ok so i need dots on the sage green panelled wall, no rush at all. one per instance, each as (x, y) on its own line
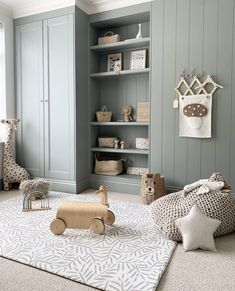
(200, 35)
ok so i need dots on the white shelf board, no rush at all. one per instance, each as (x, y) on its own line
(126, 44)
(124, 151)
(117, 123)
(122, 73)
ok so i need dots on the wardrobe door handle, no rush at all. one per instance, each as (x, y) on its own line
(41, 100)
(46, 100)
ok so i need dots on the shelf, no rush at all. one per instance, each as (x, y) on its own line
(122, 73)
(126, 44)
(118, 177)
(124, 151)
(117, 123)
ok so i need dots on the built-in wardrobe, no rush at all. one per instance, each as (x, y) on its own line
(52, 102)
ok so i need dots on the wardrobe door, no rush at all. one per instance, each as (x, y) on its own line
(59, 98)
(29, 76)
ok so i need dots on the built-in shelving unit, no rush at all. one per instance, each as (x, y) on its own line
(129, 87)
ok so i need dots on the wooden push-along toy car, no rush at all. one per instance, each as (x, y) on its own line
(83, 215)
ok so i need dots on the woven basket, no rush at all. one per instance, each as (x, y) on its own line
(104, 115)
(108, 167)
(109, 37)
(106, 142)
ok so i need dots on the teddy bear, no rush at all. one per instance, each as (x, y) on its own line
(152, 188)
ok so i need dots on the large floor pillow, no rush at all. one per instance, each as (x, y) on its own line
(214, 204)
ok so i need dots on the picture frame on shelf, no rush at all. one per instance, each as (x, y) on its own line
(138, 59)
(114, 62)
(143, 112)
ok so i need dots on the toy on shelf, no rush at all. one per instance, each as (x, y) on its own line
(127, 112)
(12, 172)
(122, 143)
(116, 143)
(84, 215)
(33, 190)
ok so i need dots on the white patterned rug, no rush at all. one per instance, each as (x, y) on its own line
(131, 256)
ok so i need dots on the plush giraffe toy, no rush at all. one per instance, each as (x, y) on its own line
(12, 172)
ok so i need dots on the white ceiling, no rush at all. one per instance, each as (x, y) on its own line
(22, 8)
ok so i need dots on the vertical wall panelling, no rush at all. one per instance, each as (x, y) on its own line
(187, 35)
(232, 131)
(157, 51)
(210, 53)
(195, 56)
(168, 89)
(224, 71)
(182, 48)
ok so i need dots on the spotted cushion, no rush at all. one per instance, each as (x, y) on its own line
(215, 204)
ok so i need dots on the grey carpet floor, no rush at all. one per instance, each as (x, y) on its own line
(191, 271)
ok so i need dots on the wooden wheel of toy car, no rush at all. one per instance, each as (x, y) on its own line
(57, 226)
(97, 225)
(110, 219)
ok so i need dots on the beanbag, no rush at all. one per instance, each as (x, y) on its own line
(215, 204)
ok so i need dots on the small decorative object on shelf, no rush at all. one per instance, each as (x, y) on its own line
(122, 143)
(142, 143)
(107, 142)
(104, 115)
(143, 112)
(116, 144)
(117, 67)
(109, 37)
(126, 112)
(137, 171)
(138, 59)
(114, 62)
(139, 35)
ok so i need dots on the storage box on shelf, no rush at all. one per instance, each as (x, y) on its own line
(116, 89)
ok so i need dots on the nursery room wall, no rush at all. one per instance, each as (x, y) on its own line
(191, 35)
(7, 65)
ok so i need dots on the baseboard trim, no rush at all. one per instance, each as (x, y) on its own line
(116, 186)
(82, 185)
(63, 186)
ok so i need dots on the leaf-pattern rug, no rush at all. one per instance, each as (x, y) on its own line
(131, 256)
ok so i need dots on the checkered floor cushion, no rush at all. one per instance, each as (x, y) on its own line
(214, 204)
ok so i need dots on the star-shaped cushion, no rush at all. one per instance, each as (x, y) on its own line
(197, 230)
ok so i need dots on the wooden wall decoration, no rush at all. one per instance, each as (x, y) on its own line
(195, 111)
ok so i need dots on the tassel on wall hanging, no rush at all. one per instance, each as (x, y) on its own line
(195, 107)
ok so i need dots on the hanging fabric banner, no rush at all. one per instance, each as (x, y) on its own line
(195, 116)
